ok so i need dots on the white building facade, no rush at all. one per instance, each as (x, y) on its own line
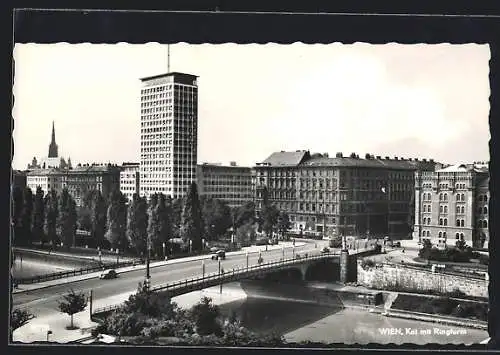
(169, 134)
(129, 179)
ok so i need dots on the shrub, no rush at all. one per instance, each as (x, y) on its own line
(367, 264)
(205, 316)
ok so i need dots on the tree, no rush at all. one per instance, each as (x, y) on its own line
(216, 217)
(117, 221)
(17, 209)
(268, 217)
(38, 216)
(153, 227)
(192, 222)
(245, 234)
(98, 215)
(205, 315)
(84, 219)
(176, 220)
(51, 213)
(244, 214)
(72, 303)
(137, 223)
(460, 244)
(18, 318)
(284, 224)
(269, 214)
(67, 218)
(163, 211)
(26, 217)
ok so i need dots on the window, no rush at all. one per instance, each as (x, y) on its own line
(463, 209)
(441, 209)
(462, 223)
(440, 221)
(485, 210)
(485, 198)
(445, 221)
(445, 209)
(457, 236)
(440, 234)
(485, 224)
(458, 223)
(440, 197)
(458, 209)
(446, 197)
(428, 234)
(444, 234)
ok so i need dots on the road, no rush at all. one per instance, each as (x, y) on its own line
(42, 302)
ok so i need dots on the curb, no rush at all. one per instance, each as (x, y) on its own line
(430, 318)
(142, 267)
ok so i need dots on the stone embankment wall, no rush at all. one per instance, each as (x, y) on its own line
(405, 278)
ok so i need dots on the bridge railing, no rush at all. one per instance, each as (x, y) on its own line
(227, 275)
(237, 272)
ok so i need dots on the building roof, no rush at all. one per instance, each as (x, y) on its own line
(479, 168)
(286, 158)
(366, 163)
(167, 74)
(44, 172)
(304, 158)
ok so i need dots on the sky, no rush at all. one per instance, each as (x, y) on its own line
(411, 101)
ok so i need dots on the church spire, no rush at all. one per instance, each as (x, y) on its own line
(53, 145)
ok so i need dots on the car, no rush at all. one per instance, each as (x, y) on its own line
(325, 250)
(214, 249)
(397, 244)
(219, 255)
(108, 274)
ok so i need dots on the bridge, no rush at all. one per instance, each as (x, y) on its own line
(346, 261)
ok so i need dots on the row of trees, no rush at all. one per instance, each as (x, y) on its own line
(43, 218)
(113, 222)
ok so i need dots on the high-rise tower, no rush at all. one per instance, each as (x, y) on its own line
(169, 136)
(53, 146)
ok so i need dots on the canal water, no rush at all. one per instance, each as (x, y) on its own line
(300, 321)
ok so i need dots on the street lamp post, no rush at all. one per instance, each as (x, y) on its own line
(203, 267)
(190, 246)
(99, 253)
(147, 282)
(247, 259)
(117, 256)
(164, 246)
(293, 250)
(283, 252)
(203, 244)
(220, 280)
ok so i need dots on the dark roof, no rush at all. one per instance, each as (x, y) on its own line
(167, 74)
(286, 158)
(367, 163)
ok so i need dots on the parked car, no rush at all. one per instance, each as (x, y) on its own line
(397, 244)
(220, 254)
(214, 249)
(108, 274)
(325, 250)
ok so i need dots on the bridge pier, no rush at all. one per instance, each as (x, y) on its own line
(348, 267)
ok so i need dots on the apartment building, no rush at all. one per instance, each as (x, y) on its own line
(341, 195)
(452, 204)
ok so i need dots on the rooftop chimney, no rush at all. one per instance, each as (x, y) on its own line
(387, 158)
(232, 163)
(395, 158)
(379, 157)
(425, 160)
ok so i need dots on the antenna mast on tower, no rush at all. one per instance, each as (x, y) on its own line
(168, 58)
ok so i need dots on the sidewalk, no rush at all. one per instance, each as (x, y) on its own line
(251, 250)
(37, 328)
